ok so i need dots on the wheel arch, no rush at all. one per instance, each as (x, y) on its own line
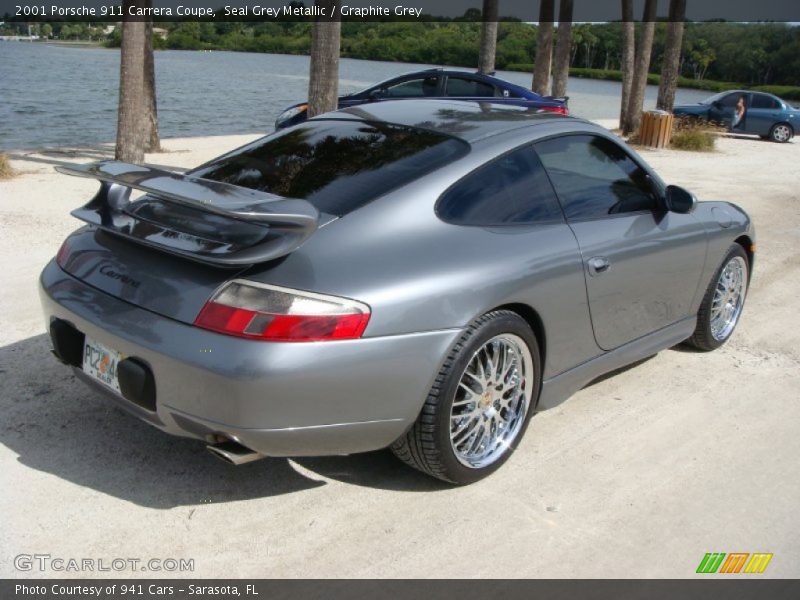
(535, 322)
(746, 242)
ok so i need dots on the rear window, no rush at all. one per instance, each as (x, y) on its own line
(338, 166)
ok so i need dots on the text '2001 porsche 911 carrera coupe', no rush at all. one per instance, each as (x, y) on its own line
(422, 275)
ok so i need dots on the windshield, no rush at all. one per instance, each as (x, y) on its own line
(337, 165)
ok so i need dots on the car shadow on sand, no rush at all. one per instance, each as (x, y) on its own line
(57, 425)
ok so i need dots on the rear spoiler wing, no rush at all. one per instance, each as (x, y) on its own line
(287, 222)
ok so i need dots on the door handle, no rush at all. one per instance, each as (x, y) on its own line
(598, 265)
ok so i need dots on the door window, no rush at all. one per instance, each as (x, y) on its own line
(467, 87)
(511, 190)
(594, 177)
(762, 101)
(730, 100)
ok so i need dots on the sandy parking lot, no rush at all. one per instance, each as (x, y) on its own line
(638, 475)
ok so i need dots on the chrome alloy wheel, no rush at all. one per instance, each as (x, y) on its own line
(728, 298)
(781, 133)
(491, 401)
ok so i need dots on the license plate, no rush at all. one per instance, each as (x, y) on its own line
(100, 362)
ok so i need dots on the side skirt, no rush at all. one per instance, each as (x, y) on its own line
(559, 388)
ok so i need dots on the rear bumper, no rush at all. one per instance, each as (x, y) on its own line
(279, 399)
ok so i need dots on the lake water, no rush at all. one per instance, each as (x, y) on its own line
(56, 96)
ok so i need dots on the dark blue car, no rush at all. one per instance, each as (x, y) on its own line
(765, 115)
(438, 83)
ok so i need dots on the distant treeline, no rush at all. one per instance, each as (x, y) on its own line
(751, 54)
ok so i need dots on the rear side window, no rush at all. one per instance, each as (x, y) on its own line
(414, 88)
(511, 190)
(760, 101)
(462, 86)
(338, 166)
(594, 177)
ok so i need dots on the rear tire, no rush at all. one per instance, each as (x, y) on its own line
(480, 404)
(723, 302)
(781, 133)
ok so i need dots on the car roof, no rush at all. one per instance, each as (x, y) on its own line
(491, 77)
(468, 120)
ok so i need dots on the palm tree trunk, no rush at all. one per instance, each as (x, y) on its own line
(488, 37)
(544, 48)
(670, 69)
(130, 129)
(323, 83)
(639, 83)
(152, 138)
(628, 56)
(563, 48)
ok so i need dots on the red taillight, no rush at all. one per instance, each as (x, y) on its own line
(264, 312)
(561, 110)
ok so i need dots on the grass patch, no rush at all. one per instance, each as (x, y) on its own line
(694, 135)
(6, 172)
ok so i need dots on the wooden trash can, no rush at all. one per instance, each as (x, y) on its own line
(656, 128)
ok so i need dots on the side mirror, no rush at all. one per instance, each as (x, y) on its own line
(377, 94)
(679, 200)
(716, 104)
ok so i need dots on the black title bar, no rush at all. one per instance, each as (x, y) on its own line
(380, 10)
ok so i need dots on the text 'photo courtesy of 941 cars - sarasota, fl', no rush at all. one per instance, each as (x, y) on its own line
(422, 275)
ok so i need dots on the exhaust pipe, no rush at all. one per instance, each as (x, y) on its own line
(233, 453)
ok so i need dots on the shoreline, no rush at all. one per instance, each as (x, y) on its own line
(711, 86)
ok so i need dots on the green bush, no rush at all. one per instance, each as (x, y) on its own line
(6, 172)
(525, 67)
(694, 135)
(787, 92)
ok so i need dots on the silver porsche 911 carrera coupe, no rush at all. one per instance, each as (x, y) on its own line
(423, 275)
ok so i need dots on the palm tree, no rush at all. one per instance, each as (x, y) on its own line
(672, 55)
(628, 56)
(152, 139)
(544, 48)
(323, 83)
(130, 133)
(639, 83)
(563, 48)
(488, 37)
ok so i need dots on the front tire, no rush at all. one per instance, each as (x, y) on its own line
(723, 302)
(480, 404)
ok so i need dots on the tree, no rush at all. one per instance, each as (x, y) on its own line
(628, 57)
(488, 37)
(642, 65)
(563, 48)
(670, 68)
(152, 140)
(323, 82)
(544, 48)
(130, 133)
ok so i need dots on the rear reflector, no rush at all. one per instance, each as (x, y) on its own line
(561, 110)
(270, 313)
